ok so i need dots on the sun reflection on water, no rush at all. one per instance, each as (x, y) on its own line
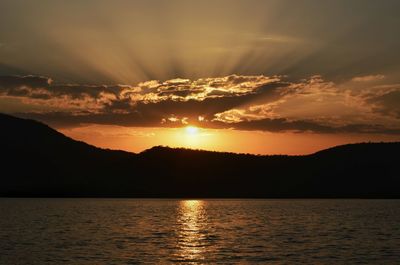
(192, 221)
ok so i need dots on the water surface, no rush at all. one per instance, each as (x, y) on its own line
(136, 231)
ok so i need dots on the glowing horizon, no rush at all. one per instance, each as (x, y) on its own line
(256, 142)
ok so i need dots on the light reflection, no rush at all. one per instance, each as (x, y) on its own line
(192, 234)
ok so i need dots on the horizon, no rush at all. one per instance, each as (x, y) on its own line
(309, 143)
(270, 77)
(190, 130)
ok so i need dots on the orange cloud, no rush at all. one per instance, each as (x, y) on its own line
(234, 101)
(368, 78)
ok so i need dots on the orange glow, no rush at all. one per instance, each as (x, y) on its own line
(226, 140)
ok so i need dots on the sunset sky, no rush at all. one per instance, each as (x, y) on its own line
(264, 77)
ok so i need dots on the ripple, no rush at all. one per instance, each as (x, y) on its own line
(90, 231)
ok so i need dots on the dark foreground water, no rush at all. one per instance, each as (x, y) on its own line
(132, 231)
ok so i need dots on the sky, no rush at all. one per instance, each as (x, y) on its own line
(263, 77)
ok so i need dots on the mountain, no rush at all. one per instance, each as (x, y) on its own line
(38, 161)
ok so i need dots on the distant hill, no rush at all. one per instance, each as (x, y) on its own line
(38, 161)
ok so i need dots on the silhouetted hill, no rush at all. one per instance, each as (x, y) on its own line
(39, 161)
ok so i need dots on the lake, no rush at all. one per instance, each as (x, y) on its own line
(148, 231)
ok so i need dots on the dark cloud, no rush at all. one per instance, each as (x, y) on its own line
(79, 91)
(179, 93)
(6, 69)
(284, 125)
(11, 82)
(40, 87)
(138, 119)
(388, 103)
(65, 119)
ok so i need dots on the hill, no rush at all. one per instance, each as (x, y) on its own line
(38, 161)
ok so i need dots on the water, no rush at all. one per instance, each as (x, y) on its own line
(132, 231)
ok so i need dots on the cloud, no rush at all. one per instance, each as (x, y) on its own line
(387, 103)
(299, 126)
(368, 78)
(29, 81)
(321, 106)
(238, 102)
(204, 96)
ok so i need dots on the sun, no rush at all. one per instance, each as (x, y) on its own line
(191, 130)
(192, 136)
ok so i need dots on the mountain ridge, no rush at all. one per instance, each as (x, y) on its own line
(46, 163)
